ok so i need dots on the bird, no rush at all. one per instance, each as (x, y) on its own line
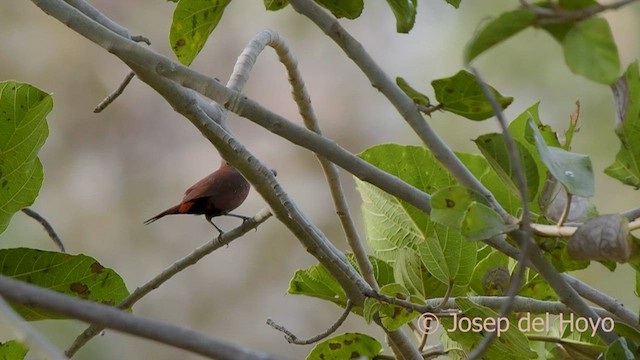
(217, 194)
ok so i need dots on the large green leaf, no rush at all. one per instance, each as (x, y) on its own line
(76, 275)
(591, 51)
(626, 91)
(462, 94)
(481, 222)
(346, 346)
(391, 223)
(316, 281)
(449, 205)
(512, 341)
(405, 13)
(480, 168)
(447, 255)
(574, 171)
(13, 350)
(410, 272)
(350, 9)
(498, 30)
(495, 150)
(193, 22)
(23, 130)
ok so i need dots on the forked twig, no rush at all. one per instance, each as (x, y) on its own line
(293, 339)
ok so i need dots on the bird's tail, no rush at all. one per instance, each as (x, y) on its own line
(169, 211)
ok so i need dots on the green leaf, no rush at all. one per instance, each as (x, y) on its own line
(193, 22)
(449, 205)
(495, 150)
(621, 350)
(417, 97)
(394, 317)
(346, 346)
(411, 273)
(483, 268)
(454, 3)
(481, 223)
(274, 5)
(405, 13)
(23, 131)
(590, 51)
(512, 341)
(316, 281)
(448, 256)
(391, 223)
(498, 30)
(75, 275)
(626, 91)
(574, 171)
(462, 94)
(13, 350)
(480, 168)
(350, 9)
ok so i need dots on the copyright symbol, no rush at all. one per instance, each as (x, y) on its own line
(428, 323)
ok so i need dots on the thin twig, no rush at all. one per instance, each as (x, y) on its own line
(110, 317)
(114, 95)
(27, 334)
(525, 228)
(172, 270)
(632, 214)
(293, 339)
(565, 210)
(47, 227)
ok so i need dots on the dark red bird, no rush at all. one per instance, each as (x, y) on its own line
(216, 195)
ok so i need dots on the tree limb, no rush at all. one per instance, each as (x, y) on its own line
(112, 318)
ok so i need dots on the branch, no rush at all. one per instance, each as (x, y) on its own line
(401, 101)
(518, 303)
(109, 317)
(27, 334)
(293, 339)
(525, 222)
(186, 102)
(238, 78)
(172, 270)
(47, 227)
(114, 95)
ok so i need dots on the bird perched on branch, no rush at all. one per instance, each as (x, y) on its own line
(216, 195)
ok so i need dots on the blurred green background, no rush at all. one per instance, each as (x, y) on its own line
(105, 174)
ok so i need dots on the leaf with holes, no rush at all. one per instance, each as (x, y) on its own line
(23, 131)
(346, 346)
(76, 275)
(462, 94)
